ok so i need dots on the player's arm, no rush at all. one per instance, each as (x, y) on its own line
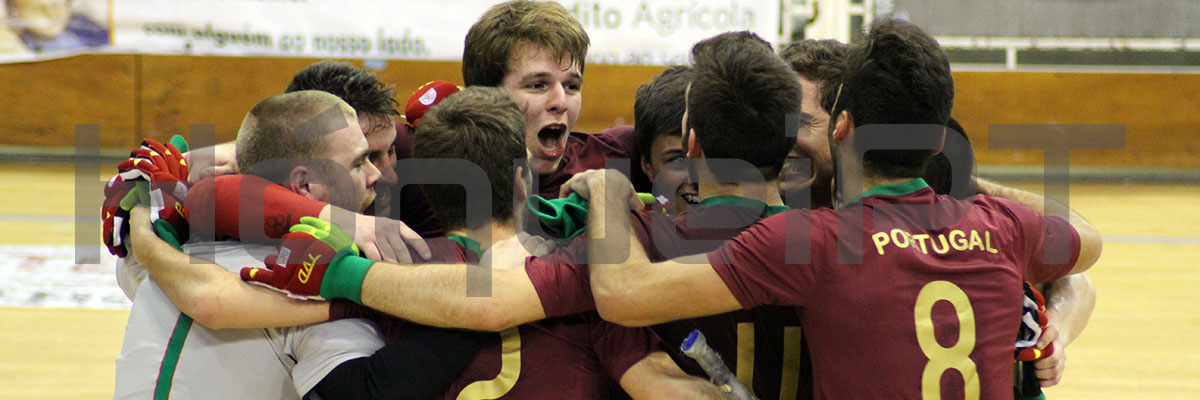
(215, 160)
(211, 295)
(217, 205)
(453, 295)
(1090, 243)
(658, 377)
(1069, 304)
(630, 290)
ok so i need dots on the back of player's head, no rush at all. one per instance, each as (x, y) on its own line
(937, 172)
(490, 43)
(359, 88)
(739, 102)
(897, 74)
(292, 126)
(481, 125)
(658, 108)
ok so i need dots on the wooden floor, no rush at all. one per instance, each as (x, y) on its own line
(1143, 341)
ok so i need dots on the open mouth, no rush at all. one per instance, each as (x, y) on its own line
(551, 140)
(688, 193)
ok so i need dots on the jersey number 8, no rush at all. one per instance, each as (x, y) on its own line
(943, 358)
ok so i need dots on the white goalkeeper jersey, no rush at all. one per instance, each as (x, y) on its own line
(164, 355)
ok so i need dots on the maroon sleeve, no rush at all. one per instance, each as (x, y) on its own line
(619, 347)
(219, 204)
(1042, 234)
(753, 266)
(564, 289)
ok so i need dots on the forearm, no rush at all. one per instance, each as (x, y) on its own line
(213, 296)
(684, 387)
(437, 295)
(1069, 304)
(658, 377)
(614, 255)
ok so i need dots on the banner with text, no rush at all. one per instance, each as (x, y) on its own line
(621, 31)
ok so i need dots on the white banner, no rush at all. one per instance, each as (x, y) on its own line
(621, 31)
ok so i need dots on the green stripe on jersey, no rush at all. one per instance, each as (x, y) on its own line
(166, 371)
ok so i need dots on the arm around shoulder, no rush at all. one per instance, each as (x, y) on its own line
(1090, 242)
(211, 295)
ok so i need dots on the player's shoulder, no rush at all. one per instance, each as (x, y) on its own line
(1015, 211)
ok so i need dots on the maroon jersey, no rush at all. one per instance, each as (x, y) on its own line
(572, 357)
(763, 346)
(890, 305)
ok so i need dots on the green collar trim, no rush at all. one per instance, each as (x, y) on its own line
(895, 189)
(468, 243)
(772, 210)
(732, 200)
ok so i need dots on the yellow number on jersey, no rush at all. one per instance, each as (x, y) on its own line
(943, 358)
(788, 386)
(510, 370)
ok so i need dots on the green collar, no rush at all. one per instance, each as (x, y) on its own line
(895, 189)
(753, 204)
(468, 243)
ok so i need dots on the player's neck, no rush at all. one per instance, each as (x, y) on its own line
(868, 182)
(767, 192)
(487, 235)
(871, 181)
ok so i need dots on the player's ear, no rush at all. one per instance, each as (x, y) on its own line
(520, 186)
(693, 147)
(300, 180)
(941, 142)
(843, 127)
(646, 167)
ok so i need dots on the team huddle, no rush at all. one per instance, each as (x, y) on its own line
(800, 211)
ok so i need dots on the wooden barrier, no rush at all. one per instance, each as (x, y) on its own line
(134, 96)
(43, 101)
(1160, 112)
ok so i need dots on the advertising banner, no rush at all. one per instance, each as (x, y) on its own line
(651, 32)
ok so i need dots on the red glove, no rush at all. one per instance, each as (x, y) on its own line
(319, 262)
(115, 213)
(166, 171)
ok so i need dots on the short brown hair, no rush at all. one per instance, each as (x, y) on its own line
(481, 125)
(287, 129)
(490, 43)
(820, 61)
(741, 97)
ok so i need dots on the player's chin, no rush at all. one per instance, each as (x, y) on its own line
(545, 165)
(367, 204)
